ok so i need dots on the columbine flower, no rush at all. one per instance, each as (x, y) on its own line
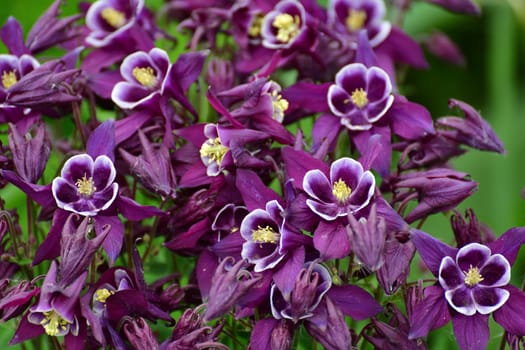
(473, 283)
(12, 68)
(360, 95)
(145, 74)
(109, 19)
(86, 185)
(213, 151)
(352, 16)
(264, 233)
(349, 189)
(283, 26)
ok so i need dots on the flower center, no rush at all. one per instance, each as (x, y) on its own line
(214, 150)
(355, 20)
(265, 235)
(145, 76)
(287, 27)
(85, 186)
(8, 79)
(115, 18)
(473, 277)
(255, 27)
(359, 98)
(53, 323)
(102, 294)
(341, 191)
(279, 105)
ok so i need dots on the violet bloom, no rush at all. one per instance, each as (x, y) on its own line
(360, 96)
(348, 190)
(264, 232)
(473, 283)
(86, 185)
(144, 74)
(110, 19)
(214, 154)
(284, 26)
(352, 16)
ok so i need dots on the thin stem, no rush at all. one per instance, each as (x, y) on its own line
(153, 232)
(78, 122)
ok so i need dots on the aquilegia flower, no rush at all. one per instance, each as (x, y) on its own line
(86, 185)
(349, 189)
(360, 95)
(473, 283)
(284, 26)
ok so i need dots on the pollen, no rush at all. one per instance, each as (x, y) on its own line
(287, 27)
(145, 76)
(9, 79)
(341, 191)
(280, 105)
(355, 20)
(53, 323)
(265, 235)
(214, 150)
(101, 295)
(473, 277)
(85, 186)
(255, 26)
(115, 18)
(359, 98)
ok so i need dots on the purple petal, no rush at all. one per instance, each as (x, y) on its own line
(328, 211)
(104, 172)
(472, 255)
(254, 192)
(297, 163)
(432, 251)
(187, 69)
(352, 77)
(461, 300)
(283, 276)
(361, 196)
(379, 85)
(509, 243)
(410, 120)
(115, 238)
(316, 185)
(450, 277)
(472, 332)
(13, 37)
(339, 101)
(26, 330)
(331, 240)
(102, 142)
(135, 60)
(431, 313)
(102, 200)
(261, 337)
(255, 218)
(495, 272)
(64, 192)
(354, 301)
(76, 167)
(348, 170)
(134, 211)
(489, 299)
(128, 96)
(511, 316)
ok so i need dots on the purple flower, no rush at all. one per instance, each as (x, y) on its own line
(473, 283)
(213, 151)
(352, 16)
(360, 96)
(284, 26)
(264, 232)
(13, 68)
(109, 19)
(349, 189)
(86, 186)
(145, 74)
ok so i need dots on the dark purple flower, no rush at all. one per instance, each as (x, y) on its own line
(86, 185)
(348, 190)
(360, 96)
(144, 74)
(213, 151)
(284, 26)
(109, 19)
(352, 16)
(13, 68)
(473, 283)
(264, 232)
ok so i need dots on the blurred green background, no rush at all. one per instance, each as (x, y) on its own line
(493, 81)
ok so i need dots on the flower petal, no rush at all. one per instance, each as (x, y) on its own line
(328, 211)
(339, 101)
(472, 255)
(461, 300)
(472, 332)
(450, 277)
(316, 184)
(348, 170)
(352, 77)
(379, 85)
(104, 172)
(489, 299)
(64, 192)
(77, 167)
(511, 316)
(496, 271)
(362, 195)
(432, 251)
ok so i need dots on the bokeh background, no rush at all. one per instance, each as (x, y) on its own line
(492, 80)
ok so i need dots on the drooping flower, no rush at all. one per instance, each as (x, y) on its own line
(360, 96)
(348, 190)
(473, 283)
(86, 185)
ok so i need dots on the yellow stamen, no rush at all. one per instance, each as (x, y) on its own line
(255, 27)
(9, 79)
(473, 277)
(214, 150)
(355, 20)
(287, 27)
(115, 18)
(53, 323)
(341, 191)
(145, 76)
(280, 105)
(102, 294)
(359, 98)
(85, 186)
(265, 235)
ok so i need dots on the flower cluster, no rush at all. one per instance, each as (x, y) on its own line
(185, 188)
